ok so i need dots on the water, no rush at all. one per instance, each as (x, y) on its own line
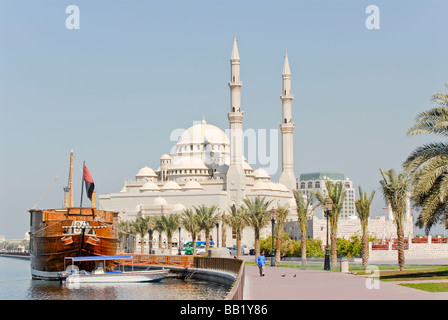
(16, 284)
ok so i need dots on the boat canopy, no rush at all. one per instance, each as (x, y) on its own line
(94, 258)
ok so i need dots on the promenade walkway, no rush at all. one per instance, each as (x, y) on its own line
(281, 283)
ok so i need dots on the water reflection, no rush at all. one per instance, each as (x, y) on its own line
(16, 283)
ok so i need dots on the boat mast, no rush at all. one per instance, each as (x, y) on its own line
(70, 182)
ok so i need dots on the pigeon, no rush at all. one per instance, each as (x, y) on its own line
(283, 275)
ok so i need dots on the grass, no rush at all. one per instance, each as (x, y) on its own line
(430, 287)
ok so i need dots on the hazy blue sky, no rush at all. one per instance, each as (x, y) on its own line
(115, 89)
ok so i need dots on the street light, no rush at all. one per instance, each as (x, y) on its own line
(150, 241)
(178, 244)
(217, 234)
(328, 205)
(273, 214)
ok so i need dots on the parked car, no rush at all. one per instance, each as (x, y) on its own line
(252, 251)
(244, 250)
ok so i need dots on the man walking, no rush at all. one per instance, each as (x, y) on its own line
(261, 262)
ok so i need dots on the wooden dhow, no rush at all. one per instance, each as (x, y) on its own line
(70, 232)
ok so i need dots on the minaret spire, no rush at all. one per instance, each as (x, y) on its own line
(236, 177)
(287, 128)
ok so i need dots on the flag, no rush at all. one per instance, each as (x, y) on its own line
(90, 186)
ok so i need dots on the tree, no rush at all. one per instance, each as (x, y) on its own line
(170, 224)
(158, 226)
(191, 223)
(282, 213)
(363, 209)
(141, 227)
(207, 221)
(257, 217)
(427, 165)
(395, 188)
(237, 222)
(336, 192)
(302, 217)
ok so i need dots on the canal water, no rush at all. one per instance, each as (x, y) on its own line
(16, 284)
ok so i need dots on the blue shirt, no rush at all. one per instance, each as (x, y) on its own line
(261, 260)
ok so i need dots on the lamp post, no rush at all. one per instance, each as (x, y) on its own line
(217, 234)
(328, 205)
(178, 243)
(150, 241)
(273, 214)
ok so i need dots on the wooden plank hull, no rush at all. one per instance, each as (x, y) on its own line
(70, 232)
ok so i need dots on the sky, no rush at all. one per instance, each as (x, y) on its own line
(116, 88)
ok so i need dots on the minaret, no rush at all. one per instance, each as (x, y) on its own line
(287, 128)
(236, 178)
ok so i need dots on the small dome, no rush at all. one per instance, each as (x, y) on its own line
(165, 157)
(159, 201)
(171, 186)
(193, 185)
(261, 185)
(145, 172)
(149, 186)
(178, 207)
(261, 174)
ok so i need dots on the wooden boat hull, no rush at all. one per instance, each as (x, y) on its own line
(70, 232)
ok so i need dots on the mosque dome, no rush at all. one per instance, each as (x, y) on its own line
(193, 185)
(262, 185)
(261, 174)
(203, 133)
(171, 186)
(146, 172)
(159, 201)
(178, 207)
(165, 157)
(149, 186)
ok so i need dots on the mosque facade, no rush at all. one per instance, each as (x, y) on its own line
(208, 167)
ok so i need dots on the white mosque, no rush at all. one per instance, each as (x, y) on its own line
(208, 167)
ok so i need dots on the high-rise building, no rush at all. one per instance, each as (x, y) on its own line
(316, 181)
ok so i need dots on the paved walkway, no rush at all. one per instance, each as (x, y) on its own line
(281, 283)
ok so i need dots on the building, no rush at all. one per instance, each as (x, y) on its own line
(208, 167)
(316, 181)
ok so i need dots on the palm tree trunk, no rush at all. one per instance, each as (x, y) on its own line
(278, 244)
(303, 242)
(257, 243)
(365, 250)
(400, 250)
(238, 245)
(333, 248)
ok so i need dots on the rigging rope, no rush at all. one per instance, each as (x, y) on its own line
(51, 186)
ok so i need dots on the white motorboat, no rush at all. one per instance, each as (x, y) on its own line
(73, 275)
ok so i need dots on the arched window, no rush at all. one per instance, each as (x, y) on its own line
(302, 185)
(317, 185)
(310, 185)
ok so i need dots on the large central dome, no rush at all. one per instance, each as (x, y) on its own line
(204, 134)
(201, 147)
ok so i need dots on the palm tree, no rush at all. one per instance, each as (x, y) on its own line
(237, 222)
(363, 208)
(170, 224)
(141, 227)
(207, 221)
(159, 227)
(191, 223)
(302, 216)
(336, 192)
(124, 230)
(427, 165)
(395, 188)
(282, 213)
(257, 217)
